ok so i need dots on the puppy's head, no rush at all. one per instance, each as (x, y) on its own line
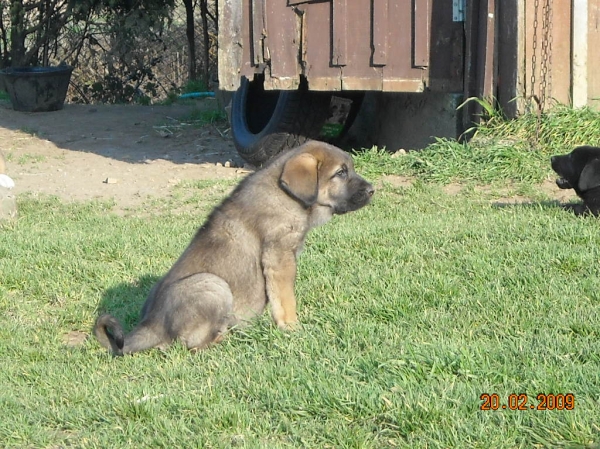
(318, 174)
(579, 169)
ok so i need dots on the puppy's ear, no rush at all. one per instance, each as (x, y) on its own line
(590, 176)
(300, 178)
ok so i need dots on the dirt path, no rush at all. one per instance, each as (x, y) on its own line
(128, 153)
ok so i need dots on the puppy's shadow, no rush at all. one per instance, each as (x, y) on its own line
(575, 208)
(124, 301)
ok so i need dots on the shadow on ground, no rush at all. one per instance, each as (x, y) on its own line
(125, 300)
(129, 133)
(575, 208)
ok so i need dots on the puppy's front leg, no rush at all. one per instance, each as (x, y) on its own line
(279, 269)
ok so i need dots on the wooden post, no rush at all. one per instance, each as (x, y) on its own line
(580, 53)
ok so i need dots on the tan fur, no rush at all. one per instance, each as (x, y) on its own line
(244, 256)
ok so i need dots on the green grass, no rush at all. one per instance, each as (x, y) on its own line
(517, 150)
(194, 86)
(29, 130)
(411, 308)
(448, 161)
(30, 158)
(205, 112)
(203, 117)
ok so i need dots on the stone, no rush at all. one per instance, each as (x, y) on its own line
(8, 204)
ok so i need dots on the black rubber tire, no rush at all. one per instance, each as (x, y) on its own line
(264, 123)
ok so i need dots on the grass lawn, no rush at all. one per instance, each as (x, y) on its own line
(412, 309)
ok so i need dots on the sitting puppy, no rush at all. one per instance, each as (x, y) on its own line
(580, 170)
(244, 255)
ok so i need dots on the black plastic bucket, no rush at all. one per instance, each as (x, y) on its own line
(37, 89)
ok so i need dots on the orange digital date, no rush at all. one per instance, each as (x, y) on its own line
(491, 401)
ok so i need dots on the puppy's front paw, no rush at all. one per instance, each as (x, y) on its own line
(290, 326)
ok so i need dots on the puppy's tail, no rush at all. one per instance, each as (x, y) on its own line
(109, 333)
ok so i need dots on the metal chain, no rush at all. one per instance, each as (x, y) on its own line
(545, 64)
(534, 46)
(545, 84)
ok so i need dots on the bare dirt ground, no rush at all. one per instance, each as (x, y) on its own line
(131, 153)
(125, 153)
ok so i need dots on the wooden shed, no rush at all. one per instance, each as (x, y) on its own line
(520, 53)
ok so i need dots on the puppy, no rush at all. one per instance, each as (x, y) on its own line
(245, 254)
(580, 170)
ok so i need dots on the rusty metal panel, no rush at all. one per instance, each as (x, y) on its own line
(446, 59)
(317, 48)
(421, 33)
(258, 31)
(400, 74)
(247, 66)
(356, 69)
(230, 51)
(380, 32)
(400, 45)
(506, 48)
(339, 40)
(283, 42)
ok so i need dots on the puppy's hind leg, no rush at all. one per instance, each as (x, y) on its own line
(144, 336)
(202, 310)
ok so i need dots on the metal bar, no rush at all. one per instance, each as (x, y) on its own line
(339, 30)
(258, 30)
(471, 111)
(421, 32)
(380, 32)
(487, 48)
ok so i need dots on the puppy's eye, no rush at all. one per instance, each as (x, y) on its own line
(342, 172)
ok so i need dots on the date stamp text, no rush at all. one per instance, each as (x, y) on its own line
(493, 401)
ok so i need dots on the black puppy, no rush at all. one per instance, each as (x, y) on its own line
(580, 170)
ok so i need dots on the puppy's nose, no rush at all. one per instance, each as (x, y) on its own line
(370, 190)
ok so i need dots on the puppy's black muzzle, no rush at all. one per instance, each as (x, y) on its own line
(556, 163)
(362, 192)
